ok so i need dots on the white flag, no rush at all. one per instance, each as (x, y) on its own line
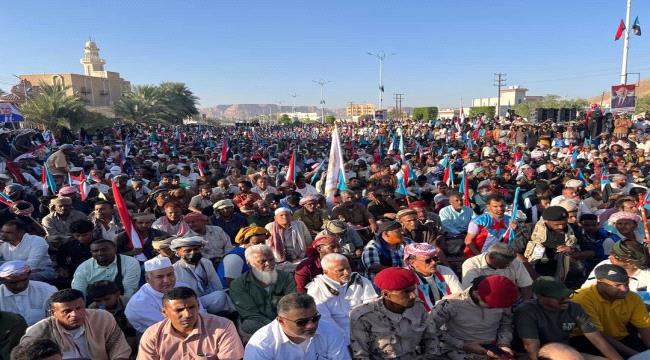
(335, 170)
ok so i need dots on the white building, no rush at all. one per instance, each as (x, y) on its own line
(510, 96)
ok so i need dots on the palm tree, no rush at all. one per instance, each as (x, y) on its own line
(179, 101)
(52, 106)
(143, 104)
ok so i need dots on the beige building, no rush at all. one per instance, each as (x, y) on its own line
(356, 110)
(510, 96)
(100, 88)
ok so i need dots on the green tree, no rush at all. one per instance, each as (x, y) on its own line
(475, 111)
(143, 104)
(549, 101)
(285, 119)
(330, 119)
(179, 102)
(425, 113)
(52, 107)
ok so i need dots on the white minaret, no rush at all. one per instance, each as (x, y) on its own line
(91, 61)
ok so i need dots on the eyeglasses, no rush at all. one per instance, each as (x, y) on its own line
(430, 260)
(304, 322)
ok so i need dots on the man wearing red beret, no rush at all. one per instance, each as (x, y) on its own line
(396, 325)
(478, 320)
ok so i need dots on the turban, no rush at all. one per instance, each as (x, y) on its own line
(623, 251)
(246, 233)
(187, 241)
(498, 292)
(13, 268)
(420, 204)
(223, 204)
(336, 227)
(623, 215)
(157, 263)
(307, 199)
(419, 249)
(405, 212)
(282, 210)
(61, 201)
(570, 205)
(194, 216)
(393, 278)
(162, 243)
(320, 239)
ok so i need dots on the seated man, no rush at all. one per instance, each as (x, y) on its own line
(57, 222)
(234, 263)
(455, 217)
(257, 292)
(81, 333)
(500, 259)
(106, 264)
(351, 242)
(435, 281)
(199, 274)
(144, 308)
(22, 296)
(217, 242)
(614, 310)
(76, 250)
(629, 255)
(551, 318)
(17, 244)
(338, 290)
(307, 270)
(310, 215)
(289, 239)
(40, 349)
(478, 320)
(172, 222)
(394, 326)
(105, 295)
(186, 333)
(297, 333)
(385, 250)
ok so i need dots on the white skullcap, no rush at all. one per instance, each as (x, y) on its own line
(157, 263)
(14, 267)
(282, 210)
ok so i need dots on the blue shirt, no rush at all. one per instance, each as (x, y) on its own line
(455, 222)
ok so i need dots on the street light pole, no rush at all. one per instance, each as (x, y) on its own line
(322, 83)
(381, 56)
(626, 42)
(293, 106)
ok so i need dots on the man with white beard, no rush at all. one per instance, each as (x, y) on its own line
(257, 292)
(338, 290)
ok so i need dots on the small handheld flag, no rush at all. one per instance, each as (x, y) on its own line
(291, 172)
(135, 240)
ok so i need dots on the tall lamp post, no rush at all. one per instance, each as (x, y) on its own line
(322, 83)
(381, 56)
(293, 105)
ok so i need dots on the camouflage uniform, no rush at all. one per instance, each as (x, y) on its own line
(378, 333)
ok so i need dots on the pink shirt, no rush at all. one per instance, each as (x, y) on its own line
(213, 338)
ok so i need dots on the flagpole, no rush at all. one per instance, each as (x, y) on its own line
(626, 42)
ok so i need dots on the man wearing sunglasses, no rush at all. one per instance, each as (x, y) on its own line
(297, 333)
(395, 326)
(434, 281)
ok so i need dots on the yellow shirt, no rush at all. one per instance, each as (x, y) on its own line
(612, 318)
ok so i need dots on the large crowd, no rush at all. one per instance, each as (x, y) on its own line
(447, 239)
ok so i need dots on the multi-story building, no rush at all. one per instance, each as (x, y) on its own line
(510, 96)
(356, 110)
(98, 87)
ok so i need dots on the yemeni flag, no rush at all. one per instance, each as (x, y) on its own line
(636, 28)
(620, 30)
(509, 235)
(224, 150)
(135, 239)
(291, 172)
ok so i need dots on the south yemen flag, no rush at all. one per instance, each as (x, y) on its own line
(636, 28)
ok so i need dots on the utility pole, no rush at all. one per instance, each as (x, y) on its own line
(381, 55)
(398, 105)
(626, 42)
(499, 82)
(322, 83)
(277, 117)
(293, 106)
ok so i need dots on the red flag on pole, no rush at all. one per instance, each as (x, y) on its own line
(619, 31)
(224, 150)
(291, 172)
(200, 168)
(134, 238)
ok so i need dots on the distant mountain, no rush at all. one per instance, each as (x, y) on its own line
(251, 111)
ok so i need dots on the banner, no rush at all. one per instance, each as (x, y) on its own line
(623, 99)
(9, 113)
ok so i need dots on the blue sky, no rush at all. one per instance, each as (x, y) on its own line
(260, 51)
